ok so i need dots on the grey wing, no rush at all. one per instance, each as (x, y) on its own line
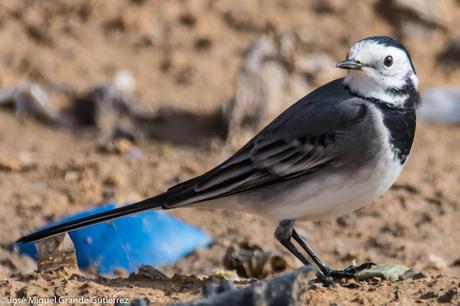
(302, 140)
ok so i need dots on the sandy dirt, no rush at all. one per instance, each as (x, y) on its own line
(186, 54)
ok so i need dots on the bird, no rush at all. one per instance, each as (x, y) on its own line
(335, 150)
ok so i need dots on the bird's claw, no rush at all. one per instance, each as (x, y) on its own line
(331, 276)
(350, 271)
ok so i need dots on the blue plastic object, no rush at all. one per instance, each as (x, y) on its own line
(151, 237)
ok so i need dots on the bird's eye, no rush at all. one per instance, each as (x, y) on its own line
(388, 61)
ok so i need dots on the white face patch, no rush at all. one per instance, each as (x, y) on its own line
(376, 79)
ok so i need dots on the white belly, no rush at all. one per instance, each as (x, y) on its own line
(338, 194)
(327, 196)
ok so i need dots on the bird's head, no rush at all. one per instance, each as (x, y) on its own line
(380, 67)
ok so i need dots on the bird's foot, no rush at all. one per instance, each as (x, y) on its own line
(331, 276)
(350, 271)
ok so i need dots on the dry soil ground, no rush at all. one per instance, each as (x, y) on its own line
(85, 42)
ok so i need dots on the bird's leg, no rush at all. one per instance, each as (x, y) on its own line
(328, 272)
(283, 234)
(318, 262)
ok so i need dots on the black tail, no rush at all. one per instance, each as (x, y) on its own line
(151, 203)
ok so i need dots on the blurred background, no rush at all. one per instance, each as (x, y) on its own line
(118, 100)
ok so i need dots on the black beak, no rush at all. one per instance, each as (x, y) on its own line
(350, 64)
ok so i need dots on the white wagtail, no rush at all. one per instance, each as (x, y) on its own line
(338, 148)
